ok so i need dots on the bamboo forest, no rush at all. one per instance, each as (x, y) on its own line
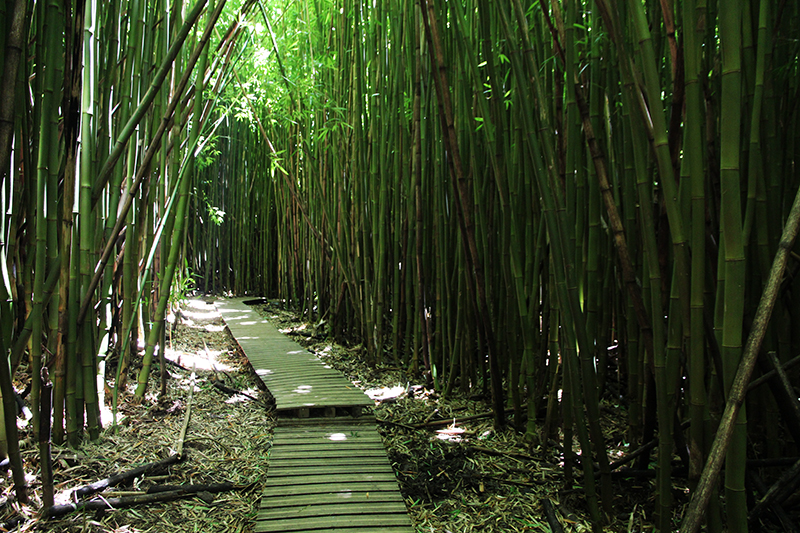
(576, 216)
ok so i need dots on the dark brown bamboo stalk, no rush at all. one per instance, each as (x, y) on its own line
(13, 52)
(463, 190)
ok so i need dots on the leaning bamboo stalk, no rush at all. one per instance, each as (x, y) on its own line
(738, 389)
(615, 221)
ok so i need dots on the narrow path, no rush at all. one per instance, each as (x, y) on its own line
(328, 466)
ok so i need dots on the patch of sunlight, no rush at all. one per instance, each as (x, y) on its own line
(385, 393)
(264, 371)
(235, 317)
(107, 415)
(250, 323)
(202, 359)
(337, 436)
(451, 434)
(303, 389)
(295, 352)
(214, 328)
(243, 397)
(209, 314)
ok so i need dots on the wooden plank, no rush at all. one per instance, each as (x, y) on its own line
(333, 470)
(311, 373)
(356, 462)
(314, 479)
(343, 435)
(313, 383)
(360, 498)
(329, 487)
(335, 509)
(304, 445)
(363, 420)
(310, 450)
(331, 454)
(357, 426)
(335, 522)
(264, 527)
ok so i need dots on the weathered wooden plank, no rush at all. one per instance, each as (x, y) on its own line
(359, 427)
(334, 470)
(333, 467)
(333, 437)
(293, 401)
(264, 527)
(362, 420)
(334, 522)
(327, 444)
(359, 498)
(311, 386)
(336, 509)
(312, 479)
(309, 450)
(312, 372)
(331, 486)
(333, 455)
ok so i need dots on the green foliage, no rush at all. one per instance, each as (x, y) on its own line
(181, 286)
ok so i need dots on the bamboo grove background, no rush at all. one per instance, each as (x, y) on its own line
(556, 204)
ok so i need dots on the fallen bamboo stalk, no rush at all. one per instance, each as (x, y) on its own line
(552, 518)
(116, 479)
(489, 451)
(185, 491)
(230, 391)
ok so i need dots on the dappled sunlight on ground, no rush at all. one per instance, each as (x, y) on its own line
(380, 394)
(202, 359)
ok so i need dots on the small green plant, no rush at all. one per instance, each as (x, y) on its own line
(184, 282)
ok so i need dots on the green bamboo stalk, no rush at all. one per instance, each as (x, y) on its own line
(87, 219)
(731, 231)
(693, 164)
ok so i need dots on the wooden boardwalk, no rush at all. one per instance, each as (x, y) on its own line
(331, 478)
(300, 383)
(325, 474)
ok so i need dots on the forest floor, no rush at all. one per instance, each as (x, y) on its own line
(456, 473)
